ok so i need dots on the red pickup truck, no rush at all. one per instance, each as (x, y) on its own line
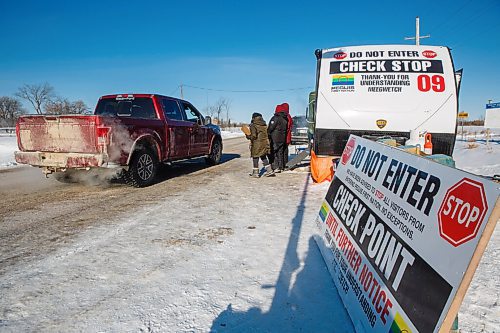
(132, 133)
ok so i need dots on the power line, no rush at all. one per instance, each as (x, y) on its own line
(247, 91)
(447, 20)
(176, 88)
(458, 28)
(480, 32)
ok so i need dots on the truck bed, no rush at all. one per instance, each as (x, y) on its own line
(58, 134)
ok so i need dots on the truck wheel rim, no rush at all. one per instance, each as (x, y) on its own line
(216, 151)
(145, 167)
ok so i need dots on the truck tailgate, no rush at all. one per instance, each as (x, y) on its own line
(69, 133)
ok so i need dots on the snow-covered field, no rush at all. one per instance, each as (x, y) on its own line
(8, 145)
(279, 278)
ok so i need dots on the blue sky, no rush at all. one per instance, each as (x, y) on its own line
(86, 49)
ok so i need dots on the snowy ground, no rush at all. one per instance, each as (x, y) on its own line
(245, 262)
(473, 153)
(8, 145)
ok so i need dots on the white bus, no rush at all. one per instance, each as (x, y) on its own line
(385, 90)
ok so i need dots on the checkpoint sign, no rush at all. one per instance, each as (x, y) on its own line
(462, 211)
(387, 228)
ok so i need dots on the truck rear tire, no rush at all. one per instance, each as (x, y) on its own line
(142, 169)
(215, 153)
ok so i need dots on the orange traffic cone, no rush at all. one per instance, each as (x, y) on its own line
(428, 144)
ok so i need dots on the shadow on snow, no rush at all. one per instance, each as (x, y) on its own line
(165, 171)
(312, 304)
(189, 166)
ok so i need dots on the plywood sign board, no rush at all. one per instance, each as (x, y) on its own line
(402, 235)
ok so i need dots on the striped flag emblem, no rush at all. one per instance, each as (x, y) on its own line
(323, 212)
(399, 325)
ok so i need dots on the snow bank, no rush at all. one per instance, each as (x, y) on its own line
(477, 157)
(8, 144)
(231, 132)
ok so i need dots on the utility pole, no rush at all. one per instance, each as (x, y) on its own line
(463, 128)
(417, 37)
(488, 130)
(182, 94)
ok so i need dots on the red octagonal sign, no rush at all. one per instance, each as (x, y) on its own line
(462, 211)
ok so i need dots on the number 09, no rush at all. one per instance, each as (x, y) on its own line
(426, 83)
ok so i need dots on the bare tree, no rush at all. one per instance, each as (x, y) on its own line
(222, 105)
(227, 106)
(64, 106)
(79, 107)
(10, 110)
(209, 111)
(57, 106)
(36, 94)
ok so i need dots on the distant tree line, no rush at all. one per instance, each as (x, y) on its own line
(10, 110)
(219, 112)
(477, 122)
(43, 100)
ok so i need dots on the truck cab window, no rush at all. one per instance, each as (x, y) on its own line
(110, 109)
(192, 114)
(124, 108)
(141, 107)
(171, 109)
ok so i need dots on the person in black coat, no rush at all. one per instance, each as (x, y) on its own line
(277, 129)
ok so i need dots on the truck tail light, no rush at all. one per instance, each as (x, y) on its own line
(102, 136)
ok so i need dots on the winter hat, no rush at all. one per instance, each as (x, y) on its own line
(279, 108)
(285, 107)
(256, 114)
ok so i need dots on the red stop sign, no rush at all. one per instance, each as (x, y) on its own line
(349, 148)
(462, 211)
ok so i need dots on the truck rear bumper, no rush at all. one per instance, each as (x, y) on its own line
(61, 160)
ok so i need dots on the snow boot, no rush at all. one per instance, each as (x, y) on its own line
(269, 172)
(255, 173)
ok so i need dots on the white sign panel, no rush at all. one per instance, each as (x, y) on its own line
(492, 118)
(397, 232)
(407, 86)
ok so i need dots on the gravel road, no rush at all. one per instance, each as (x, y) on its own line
(38, 214)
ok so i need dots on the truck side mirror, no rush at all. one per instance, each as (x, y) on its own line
(208, 120)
